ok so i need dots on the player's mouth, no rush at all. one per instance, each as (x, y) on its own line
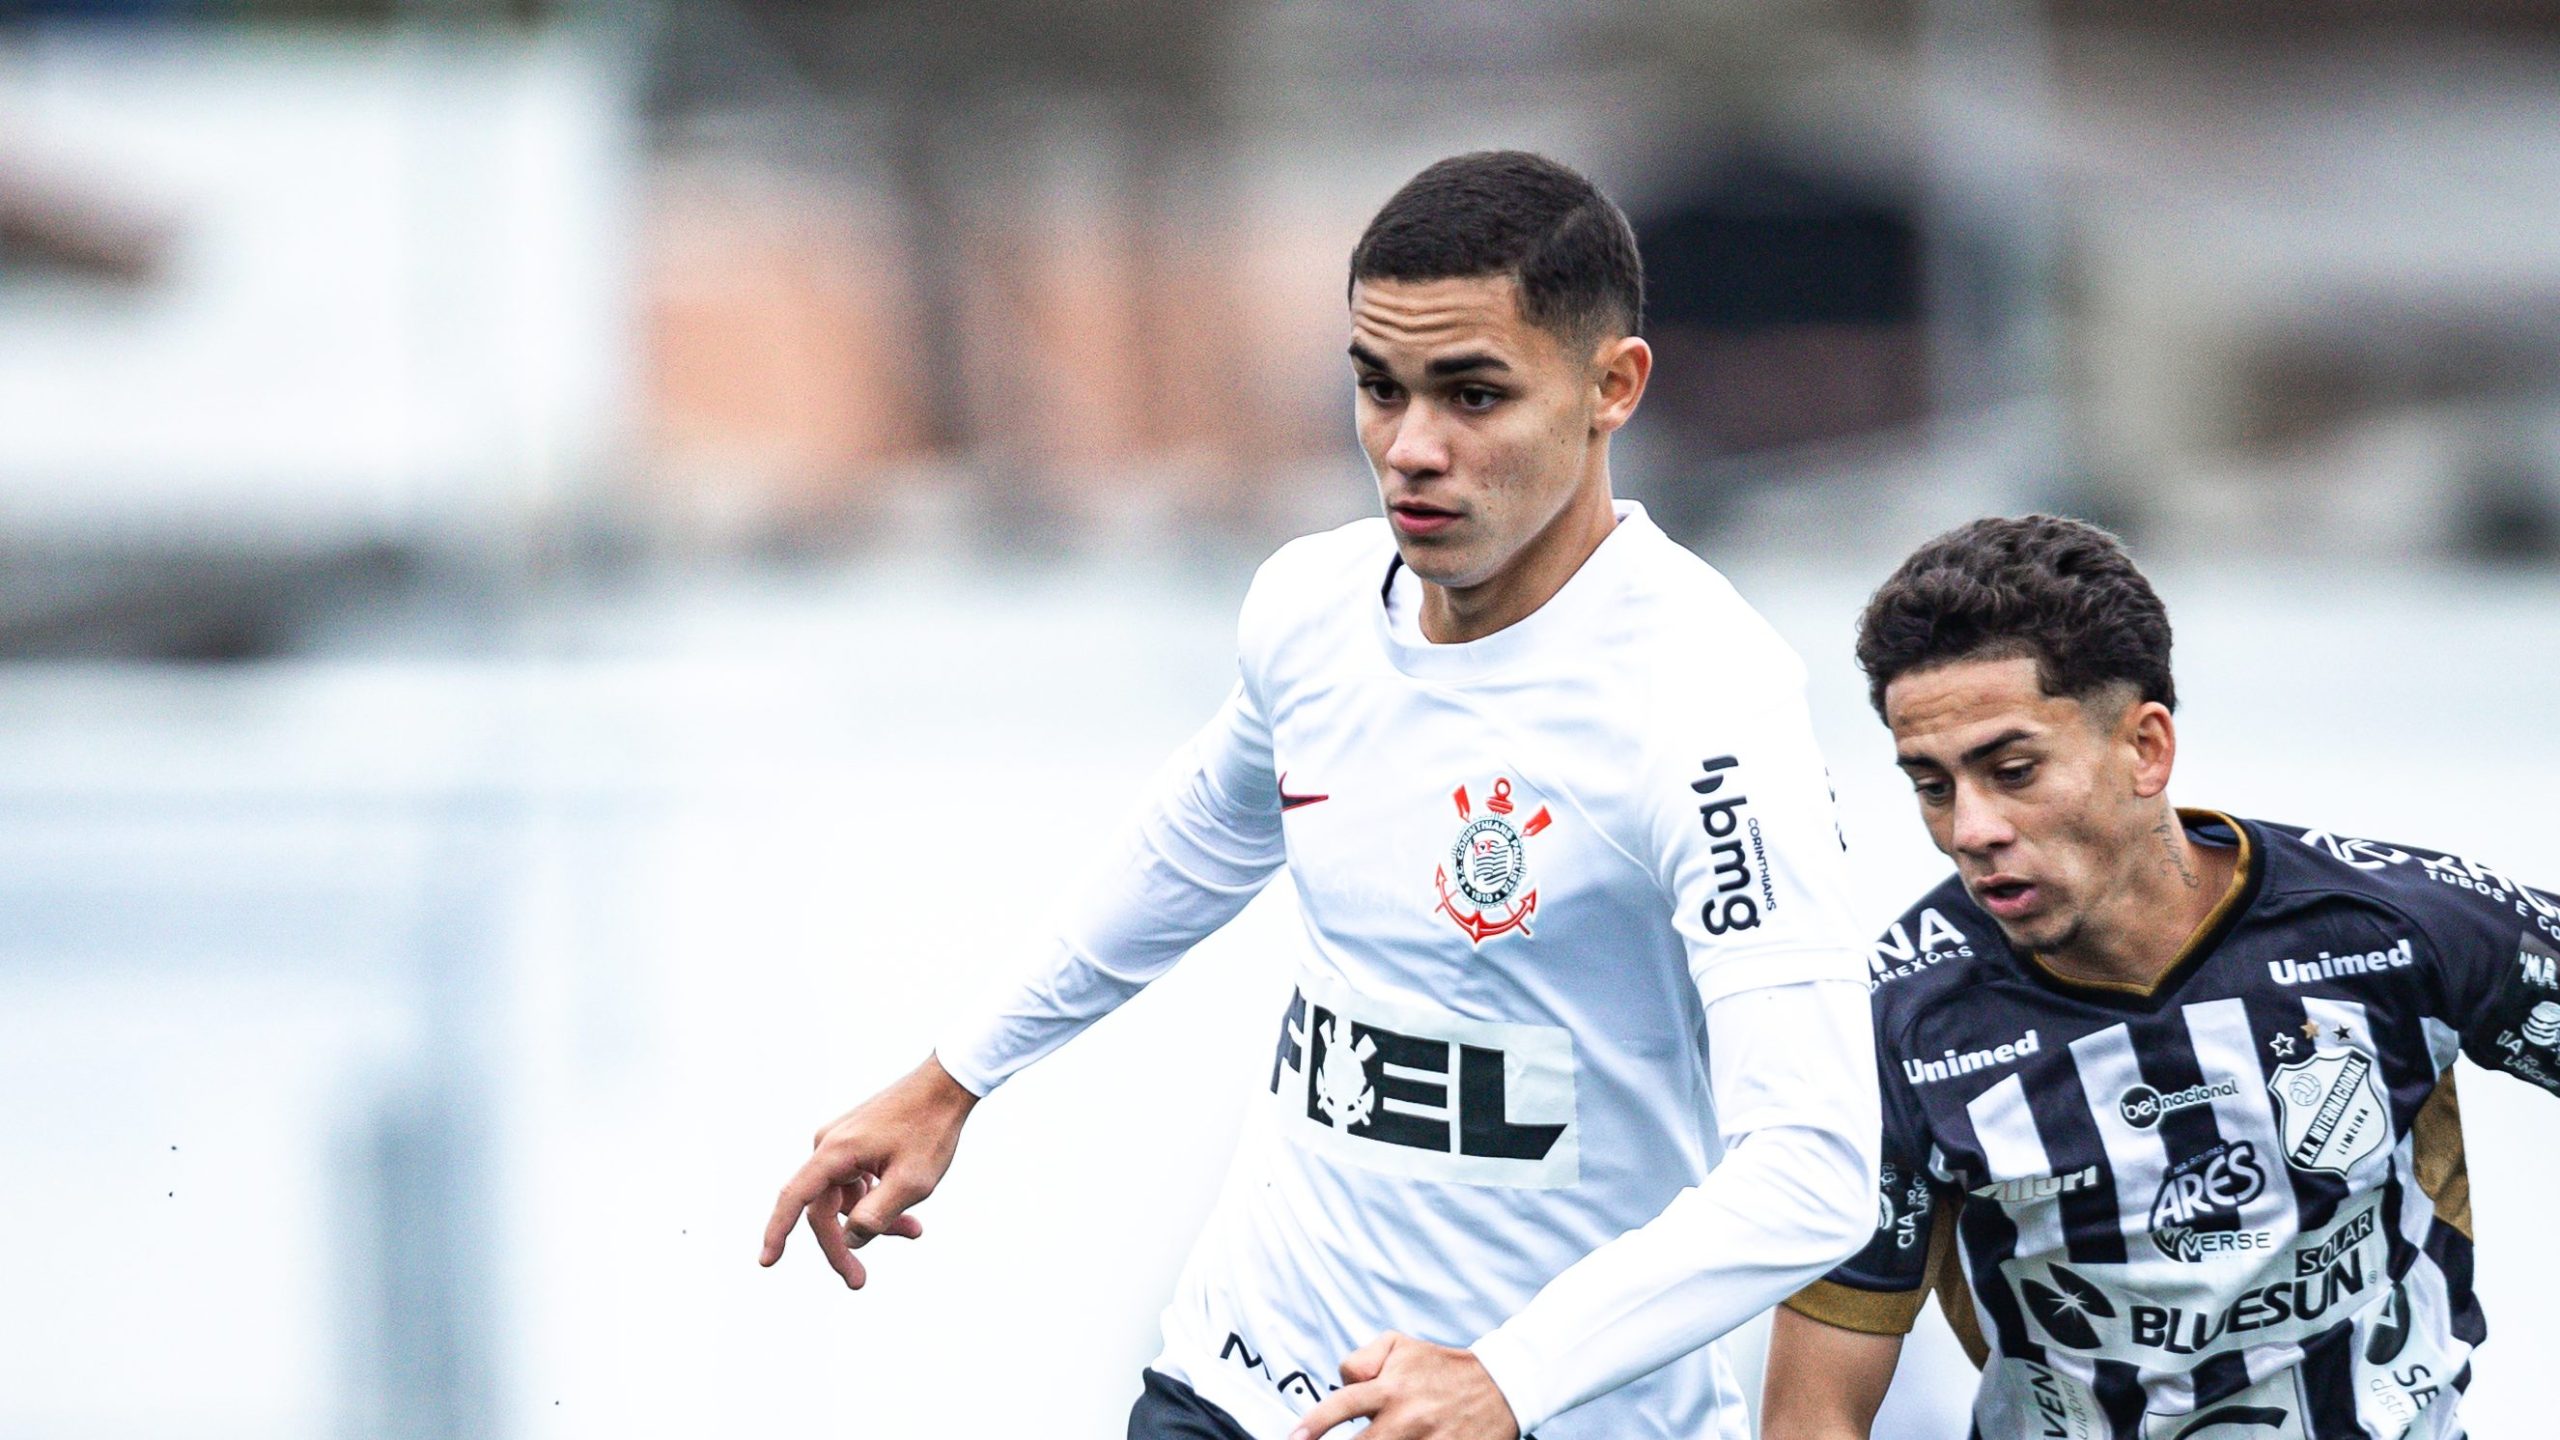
(1413, 518)
(2006, 897)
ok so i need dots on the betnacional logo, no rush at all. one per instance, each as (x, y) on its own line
(1484, 884)
(2142, 1106)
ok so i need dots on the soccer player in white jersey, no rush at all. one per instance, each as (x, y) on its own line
(2170, 1122)
(1574, 1077)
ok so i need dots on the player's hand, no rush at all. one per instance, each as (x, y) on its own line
(871, 1164)
(1414, 1390)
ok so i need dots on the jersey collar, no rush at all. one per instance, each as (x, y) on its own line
(1588, 593)
(2245, 879)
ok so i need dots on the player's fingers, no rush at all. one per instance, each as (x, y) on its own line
(1366, 1362)
(1343, 1406)
(905, 1227)
(801, 1191)
(826, 1222)
(888, 1199)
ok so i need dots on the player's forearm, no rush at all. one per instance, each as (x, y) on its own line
(1769, 1221)
(1823, 1382)
(1792, 1198)
(1204, 843)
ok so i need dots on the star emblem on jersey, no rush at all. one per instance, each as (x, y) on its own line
(1484, 885)
(2065, 1308)
(2284, 1045)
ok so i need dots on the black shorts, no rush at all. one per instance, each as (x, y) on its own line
(1167, 1410)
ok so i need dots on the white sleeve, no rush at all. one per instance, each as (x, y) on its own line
(1794, 1073)
(1737, 818)
(1205, 842)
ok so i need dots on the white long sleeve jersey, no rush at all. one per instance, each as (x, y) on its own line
(1578, 1067)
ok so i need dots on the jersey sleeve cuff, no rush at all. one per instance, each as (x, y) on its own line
(953, 1056)
(1869, 1312)
(1514, 1372)
(1769, 969)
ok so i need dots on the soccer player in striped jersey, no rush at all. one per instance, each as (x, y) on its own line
(2170, 1122)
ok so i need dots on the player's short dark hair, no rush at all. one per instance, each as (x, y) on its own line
(2061, 592)
(1508, 212)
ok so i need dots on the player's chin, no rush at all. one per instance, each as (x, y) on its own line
(1445, 559)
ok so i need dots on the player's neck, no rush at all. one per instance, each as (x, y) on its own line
(1452, 615)
(2166, 895)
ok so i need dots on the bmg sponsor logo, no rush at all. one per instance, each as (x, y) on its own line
(1743, 893)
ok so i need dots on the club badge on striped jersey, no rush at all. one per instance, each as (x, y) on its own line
(1484, 883)
(2331, 1110)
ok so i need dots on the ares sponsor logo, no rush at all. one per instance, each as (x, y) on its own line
(2039, 1187)
(1478, 1102)
(1741, 858)
(1930, 1072)
(1297, 1384)
(2329, 967)
(2142, 1107)
(1900, 952)
(2330, 1110)
(2196, 1213)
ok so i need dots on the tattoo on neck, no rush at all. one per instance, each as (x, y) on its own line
(2170, 835)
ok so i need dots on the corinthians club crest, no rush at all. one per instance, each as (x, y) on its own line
(1484, 884)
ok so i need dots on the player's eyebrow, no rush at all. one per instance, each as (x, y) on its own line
(1448, 365)
(1992, 746)
(1442, 368)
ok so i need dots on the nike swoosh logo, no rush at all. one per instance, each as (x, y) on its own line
(1289, 802)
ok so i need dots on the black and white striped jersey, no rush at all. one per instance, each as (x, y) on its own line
(2233, 1205)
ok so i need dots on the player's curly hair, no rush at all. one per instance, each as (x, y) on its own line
(1508, 212)
(2062, 592)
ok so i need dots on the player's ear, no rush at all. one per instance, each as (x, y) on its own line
(2152, 734)
(1620, 368)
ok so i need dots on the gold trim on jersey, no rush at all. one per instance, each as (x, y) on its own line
(2435, 1150)
(2206, 932)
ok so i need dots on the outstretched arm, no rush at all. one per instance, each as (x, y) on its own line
(1205, 842)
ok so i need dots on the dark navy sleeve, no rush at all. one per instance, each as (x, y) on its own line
(2497, 946)
(1881, 1289)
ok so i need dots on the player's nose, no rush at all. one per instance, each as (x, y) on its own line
(1420, 446)
(1979, 826)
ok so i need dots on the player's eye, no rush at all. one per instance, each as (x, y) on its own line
(1379, 389)
(2017, 773)
(1478, 398)
(1932, 792)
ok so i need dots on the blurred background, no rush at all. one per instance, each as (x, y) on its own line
(548, 551)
